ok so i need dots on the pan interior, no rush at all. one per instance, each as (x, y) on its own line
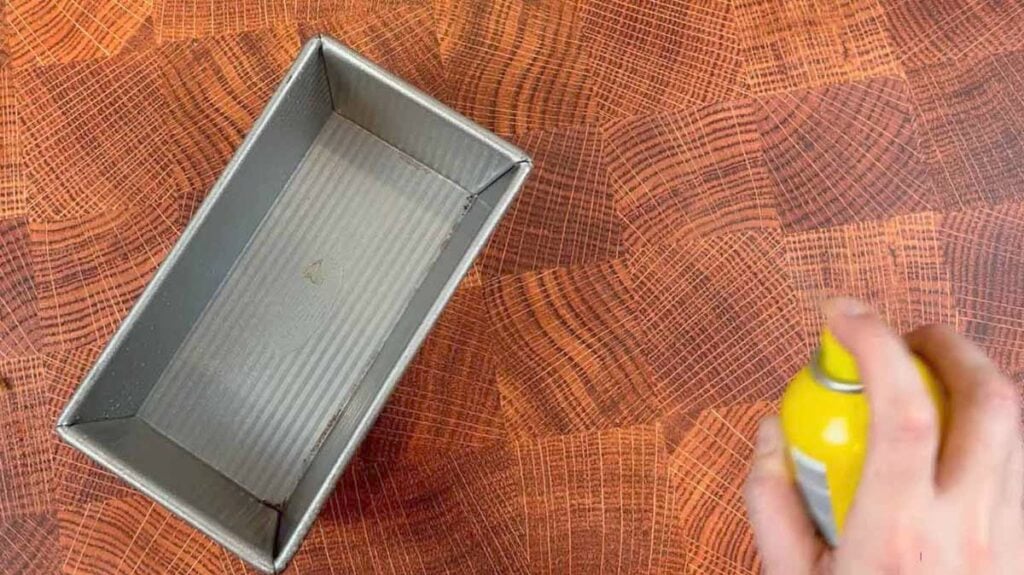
(272, 360)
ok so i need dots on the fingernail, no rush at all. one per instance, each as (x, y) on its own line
(845, 306)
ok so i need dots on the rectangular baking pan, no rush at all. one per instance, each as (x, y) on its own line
(241, 383)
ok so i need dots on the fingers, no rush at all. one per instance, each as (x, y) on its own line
(1012, 501)
(785, 536)
(1015, 486)
(904, 435)
(984, 412)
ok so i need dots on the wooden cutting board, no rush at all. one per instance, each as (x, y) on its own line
(706, 171)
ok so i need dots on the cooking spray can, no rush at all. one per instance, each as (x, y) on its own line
(825, 419)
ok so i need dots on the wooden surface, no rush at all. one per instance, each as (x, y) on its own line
(707, 170)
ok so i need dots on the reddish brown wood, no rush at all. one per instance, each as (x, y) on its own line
(706, 172)
(845, 153)
(44, 33)
(565, 215)
(25, 451)
(715, 312)
(213, 90)
(708, 467)
(792, 45)
(986, 272)
(930, 32)
(13, 199)
(571, 348)
(690, 173)
(19, 318)
(516, 66)
(898, 264)
(660, 54)
(971, 114)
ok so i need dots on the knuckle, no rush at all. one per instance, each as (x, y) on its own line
(979, 554)
(902, 550)
(756, 485)
(868, 331)
(917, 422)
(888, 562)
(755, 491)
(759, 486)
(874, 333)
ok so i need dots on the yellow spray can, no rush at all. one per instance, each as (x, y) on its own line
(825, 419)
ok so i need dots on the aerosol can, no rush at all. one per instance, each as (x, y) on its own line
(825, 419)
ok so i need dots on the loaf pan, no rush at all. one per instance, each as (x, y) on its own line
(241, 383)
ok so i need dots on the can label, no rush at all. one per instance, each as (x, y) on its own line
(812, 477)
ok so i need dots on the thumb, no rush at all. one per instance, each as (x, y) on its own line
(785, 535)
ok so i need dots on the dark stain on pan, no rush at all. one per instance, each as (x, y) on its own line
(314, 272)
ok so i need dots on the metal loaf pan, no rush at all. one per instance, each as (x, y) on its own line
(243, 380)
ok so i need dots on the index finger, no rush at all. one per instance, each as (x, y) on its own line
(904, 433)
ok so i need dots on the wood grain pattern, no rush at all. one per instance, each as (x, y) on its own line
(19, 320)
(30, 544)
(660, 54)
(971, 112)
(455, 516)
(5, 33)
(598, 501)
(135, 535)
(929, 32)
(706, 172)
(178, 19)
(13, 197)
(89, 270)
(190, 19)
(708, 468)
(213, 91)
(691, 173)
(565, 214)
(983, 248)
(897, 265)
(845, 153)
(568, 350)
(514, 66)
(55, 32)
(791, 45)
(95, 136)
(25, 444)
(720, 320)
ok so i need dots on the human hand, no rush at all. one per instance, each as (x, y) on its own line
(922, 506)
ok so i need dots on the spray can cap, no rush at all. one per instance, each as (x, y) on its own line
(834, 366)
(835, 361)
